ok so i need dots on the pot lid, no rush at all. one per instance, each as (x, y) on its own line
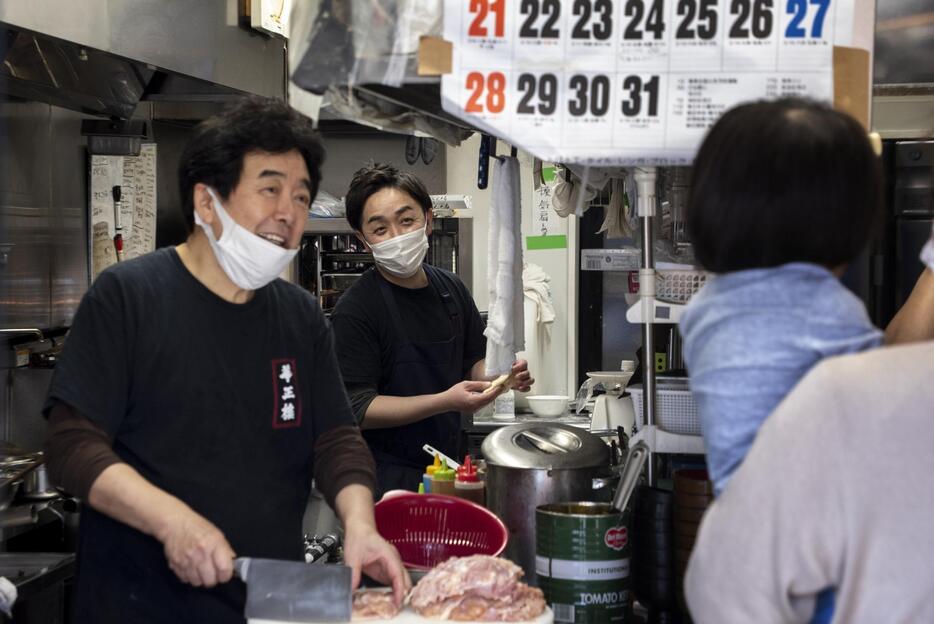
(10, 452)
(545, 446)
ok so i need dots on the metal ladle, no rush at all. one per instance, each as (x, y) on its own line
(629, 475)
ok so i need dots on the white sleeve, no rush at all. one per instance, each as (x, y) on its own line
(774, 539)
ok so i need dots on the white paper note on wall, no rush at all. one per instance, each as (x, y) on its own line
(136, 177)
(142, 229)
(103, 254)
(106, 173)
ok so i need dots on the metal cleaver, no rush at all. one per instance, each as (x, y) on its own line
(294, 591)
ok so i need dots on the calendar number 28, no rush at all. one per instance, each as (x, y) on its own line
(487, 93)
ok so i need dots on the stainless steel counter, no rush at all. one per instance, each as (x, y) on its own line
(488, 424)
(40, 580)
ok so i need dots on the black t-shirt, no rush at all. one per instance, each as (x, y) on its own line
(217, 403)
(367, 341)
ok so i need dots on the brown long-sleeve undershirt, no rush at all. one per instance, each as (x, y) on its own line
(77, 452)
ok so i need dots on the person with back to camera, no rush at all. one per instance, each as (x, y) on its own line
(829, 515)
(785, 194)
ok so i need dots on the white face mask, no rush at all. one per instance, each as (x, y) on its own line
(249, 261)
(402, 255)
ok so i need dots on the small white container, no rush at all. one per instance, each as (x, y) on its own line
(504, 406)
(548, 406)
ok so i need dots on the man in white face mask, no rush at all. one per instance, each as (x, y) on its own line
(199, 394)
(409, 336)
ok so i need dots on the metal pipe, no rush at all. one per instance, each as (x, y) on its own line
(645, 180)
(648, 345)
(25, 330)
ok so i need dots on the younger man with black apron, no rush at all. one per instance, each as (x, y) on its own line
(409, 337)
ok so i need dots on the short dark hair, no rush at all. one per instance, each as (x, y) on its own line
(781, 181)
(374, 178)
(214, 155)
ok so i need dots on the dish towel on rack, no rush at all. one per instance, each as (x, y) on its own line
(505, 330)
(536, 288)
(539, 314)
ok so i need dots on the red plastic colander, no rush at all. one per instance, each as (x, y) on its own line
(429, 529)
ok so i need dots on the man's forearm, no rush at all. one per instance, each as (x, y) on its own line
(354, 507)
(478, 372)
(123, 494)
(392, 411)
(914, 322)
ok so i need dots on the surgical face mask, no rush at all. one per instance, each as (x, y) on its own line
(249, 261)
(402, 255)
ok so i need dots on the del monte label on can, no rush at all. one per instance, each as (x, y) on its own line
(616, 537)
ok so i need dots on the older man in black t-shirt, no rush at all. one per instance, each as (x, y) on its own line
(409, 336)
(198, 393)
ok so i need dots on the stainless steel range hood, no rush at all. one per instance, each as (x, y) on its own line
(105, 56)
(42, 69)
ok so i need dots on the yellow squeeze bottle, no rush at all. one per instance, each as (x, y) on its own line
(442, 481)
(429, 474)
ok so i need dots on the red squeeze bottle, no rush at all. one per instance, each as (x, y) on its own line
(118, 228)
(118, 246)
(468, 485)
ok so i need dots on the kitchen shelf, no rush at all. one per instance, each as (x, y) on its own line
(327, 225)
(662, 312)
(661, 441)
(356, 256)
(649, 310)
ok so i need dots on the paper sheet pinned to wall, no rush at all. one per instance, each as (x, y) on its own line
(136, 177)
(103, 254)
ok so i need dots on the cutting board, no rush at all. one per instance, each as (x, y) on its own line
(410, 617)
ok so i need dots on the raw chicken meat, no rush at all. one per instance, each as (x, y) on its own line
(478, 588)
(373, 604)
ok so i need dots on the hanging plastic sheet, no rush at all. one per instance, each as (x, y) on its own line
(365, 41)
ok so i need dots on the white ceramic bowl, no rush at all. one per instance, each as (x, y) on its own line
(548, 406)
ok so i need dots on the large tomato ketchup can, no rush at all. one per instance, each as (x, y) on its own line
(582, 562)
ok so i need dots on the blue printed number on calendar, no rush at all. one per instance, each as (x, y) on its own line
(800, 11)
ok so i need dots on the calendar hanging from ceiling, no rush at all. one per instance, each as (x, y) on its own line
(621, 82)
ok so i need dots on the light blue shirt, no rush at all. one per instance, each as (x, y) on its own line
(749, 336)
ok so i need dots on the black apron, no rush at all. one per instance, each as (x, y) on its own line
(419, 368)
(122, 576)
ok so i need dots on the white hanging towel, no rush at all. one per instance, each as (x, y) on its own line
(505, 330)
(539, 319)
(537, 288)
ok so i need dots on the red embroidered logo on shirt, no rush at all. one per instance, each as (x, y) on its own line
(286, 405)
(616, 537)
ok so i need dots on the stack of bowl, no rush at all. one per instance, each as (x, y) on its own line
(693, 494)
(653, 579)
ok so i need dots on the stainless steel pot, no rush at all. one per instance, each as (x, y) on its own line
(12, 475)
(533, 464)
(8, 489)
(18, 474)
(36, 484)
